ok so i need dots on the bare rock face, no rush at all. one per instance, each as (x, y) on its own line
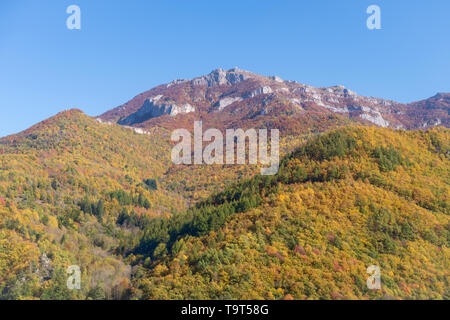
(375, 118)
(220, 77)
(261, 90)
(153, 108)
(45, 267)
(277, 79)
(225, 102)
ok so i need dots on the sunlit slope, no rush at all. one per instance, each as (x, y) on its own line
(77, 191)
(63, 185)
(74, 191)
(350, 199)
(79, 155)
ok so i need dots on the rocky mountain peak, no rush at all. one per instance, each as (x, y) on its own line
(239, 94)
(220, 77)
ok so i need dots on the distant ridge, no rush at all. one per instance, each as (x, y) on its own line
(235, 95)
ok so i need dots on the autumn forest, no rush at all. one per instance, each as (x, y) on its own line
(74, 191)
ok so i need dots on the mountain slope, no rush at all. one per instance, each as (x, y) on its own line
(238, 98)
(347, 200)
(76, 191)
(64, 186)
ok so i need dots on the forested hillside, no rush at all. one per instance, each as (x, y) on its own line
(344, 201)
(68, 188)
(74, 191)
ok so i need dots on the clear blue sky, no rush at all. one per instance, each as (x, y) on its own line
(126, 47)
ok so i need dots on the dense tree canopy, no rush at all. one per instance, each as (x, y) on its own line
(76, 192)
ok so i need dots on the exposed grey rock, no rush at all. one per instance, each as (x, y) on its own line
(340, 90)
(221, 77)
(176, 81)
(335, 109)
(153, 108)
(138, 130)
(283, 90)
(45, 267)
(103, 122)
(375, 118)
(432, 123)
(225, 102)
(296, 101)
(262, 90)
(277, 79)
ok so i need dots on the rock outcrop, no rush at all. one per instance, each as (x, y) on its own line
(153, 108)
(225, 102)
(220, 77)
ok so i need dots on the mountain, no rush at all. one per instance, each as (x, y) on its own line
(240, 98)
(103, 194)
(430, 112)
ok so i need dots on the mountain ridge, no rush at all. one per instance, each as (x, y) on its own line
(238, 94)
(105, 196)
